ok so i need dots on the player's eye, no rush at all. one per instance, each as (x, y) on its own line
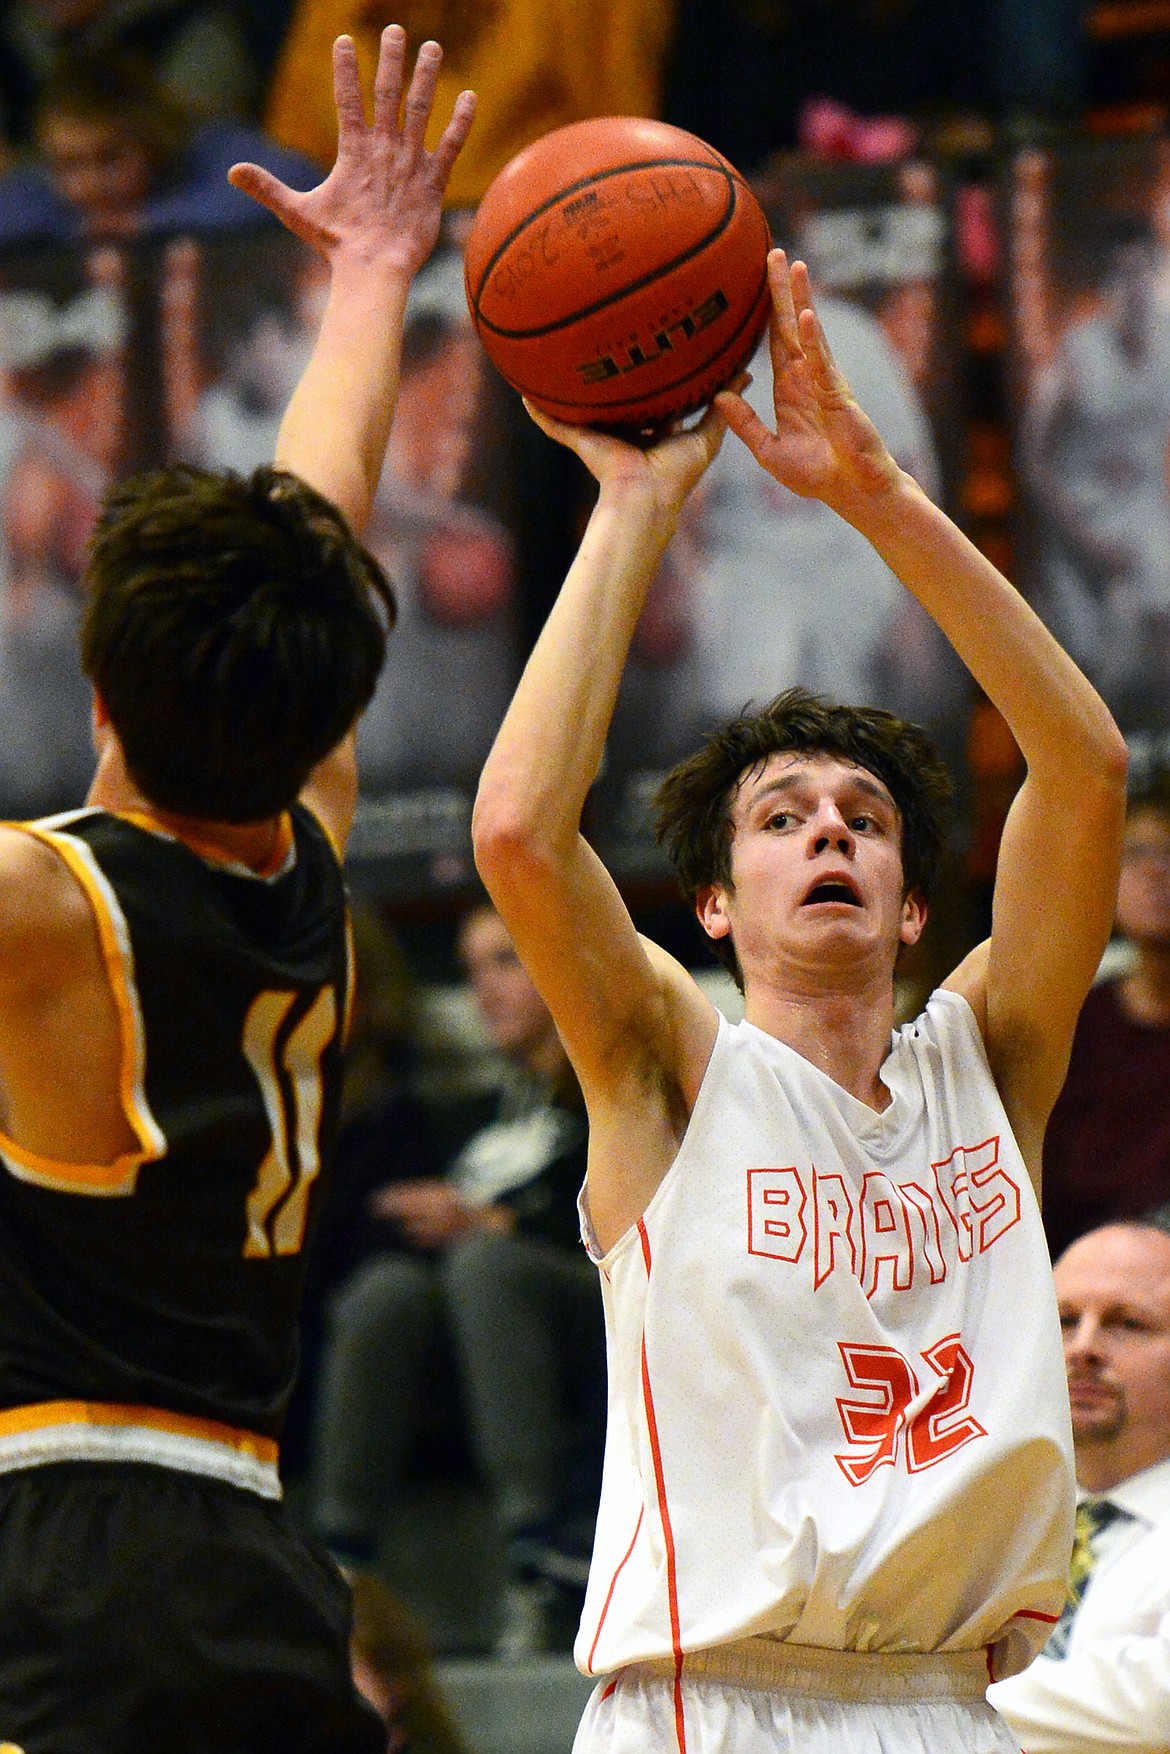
(781, 819)
(860, 823)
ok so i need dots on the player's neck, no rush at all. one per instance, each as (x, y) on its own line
(253, 844)
(843, 1031)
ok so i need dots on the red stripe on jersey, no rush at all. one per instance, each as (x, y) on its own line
(1035, 1614)
(609, 1594)
(667, 1532)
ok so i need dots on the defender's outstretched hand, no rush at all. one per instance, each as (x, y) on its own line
(824, 447)
(385, 190)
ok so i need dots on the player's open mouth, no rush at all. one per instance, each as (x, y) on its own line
(832, 889)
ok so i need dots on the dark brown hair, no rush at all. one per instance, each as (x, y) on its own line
(694, 804)
(233, 632)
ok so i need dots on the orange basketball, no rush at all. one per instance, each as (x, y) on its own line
(616, 272)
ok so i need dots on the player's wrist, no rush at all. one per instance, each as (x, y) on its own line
(873, 507)
(644, 504)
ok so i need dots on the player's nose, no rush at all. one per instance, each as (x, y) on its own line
(830, 831)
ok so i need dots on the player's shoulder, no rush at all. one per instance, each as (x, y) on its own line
(42, 904)
(969, 982)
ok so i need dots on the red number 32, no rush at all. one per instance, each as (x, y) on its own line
(935, 1428)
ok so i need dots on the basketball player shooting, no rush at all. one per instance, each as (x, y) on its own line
(838, 1481)
(174, 980)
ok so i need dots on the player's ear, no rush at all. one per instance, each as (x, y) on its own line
(914, 914)
(711, 909)
(100, 712)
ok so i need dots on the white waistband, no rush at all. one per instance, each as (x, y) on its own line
(817, 1673)
(79, 1442)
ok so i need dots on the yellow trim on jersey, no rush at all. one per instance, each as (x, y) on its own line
(121, 1176)
(37, 1415)
(282, 841)
(103, 1431)
(40, 1415)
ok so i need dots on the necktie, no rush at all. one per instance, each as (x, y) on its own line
(1092, 1516)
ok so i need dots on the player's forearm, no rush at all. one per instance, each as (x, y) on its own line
(1064, 729)
(549, 747)
(337, 424)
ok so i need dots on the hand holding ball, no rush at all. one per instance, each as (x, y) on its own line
(616, 273)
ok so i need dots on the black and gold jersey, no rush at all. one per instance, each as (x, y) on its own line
(170, 1280)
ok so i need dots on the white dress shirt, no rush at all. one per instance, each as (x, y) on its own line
(1112, 1690)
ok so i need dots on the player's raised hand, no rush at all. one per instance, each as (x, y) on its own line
(667, 469)
(824, 446)
(383, 197)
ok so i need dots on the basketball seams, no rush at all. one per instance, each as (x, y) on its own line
(571, 189)
(715, 163)
(619, 292)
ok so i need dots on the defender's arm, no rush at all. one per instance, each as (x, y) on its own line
(375, 219)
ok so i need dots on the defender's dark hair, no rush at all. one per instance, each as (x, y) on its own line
(694, 803)
(232, 633)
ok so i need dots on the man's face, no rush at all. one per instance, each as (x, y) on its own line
(1113, 1291)
(514, 1011)
(816, 866)
(1143, 890)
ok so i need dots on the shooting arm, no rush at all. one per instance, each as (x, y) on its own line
(1059, 859)
(635, 1026)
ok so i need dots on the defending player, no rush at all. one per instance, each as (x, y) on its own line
(838, 1480)
(173, 986)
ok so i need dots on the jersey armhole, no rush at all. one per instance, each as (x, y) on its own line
(119, 1177)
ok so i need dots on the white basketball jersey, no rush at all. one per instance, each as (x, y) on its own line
(837, 1406)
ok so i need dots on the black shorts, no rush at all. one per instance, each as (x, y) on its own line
(147, 1611)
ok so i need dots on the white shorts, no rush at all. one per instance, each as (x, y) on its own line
(761, 1697)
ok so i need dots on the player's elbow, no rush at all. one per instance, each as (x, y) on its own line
(1108, 763)
(1098, 758)
(509, 837)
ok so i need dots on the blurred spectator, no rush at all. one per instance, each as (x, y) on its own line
(393, 1670)
(1093, 452)
(1107, 1151)
(117, 156)
(535, 65)
(450, 672)
(200, 48)
(1102, 1682)
(488, 1301)
(62, 337)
